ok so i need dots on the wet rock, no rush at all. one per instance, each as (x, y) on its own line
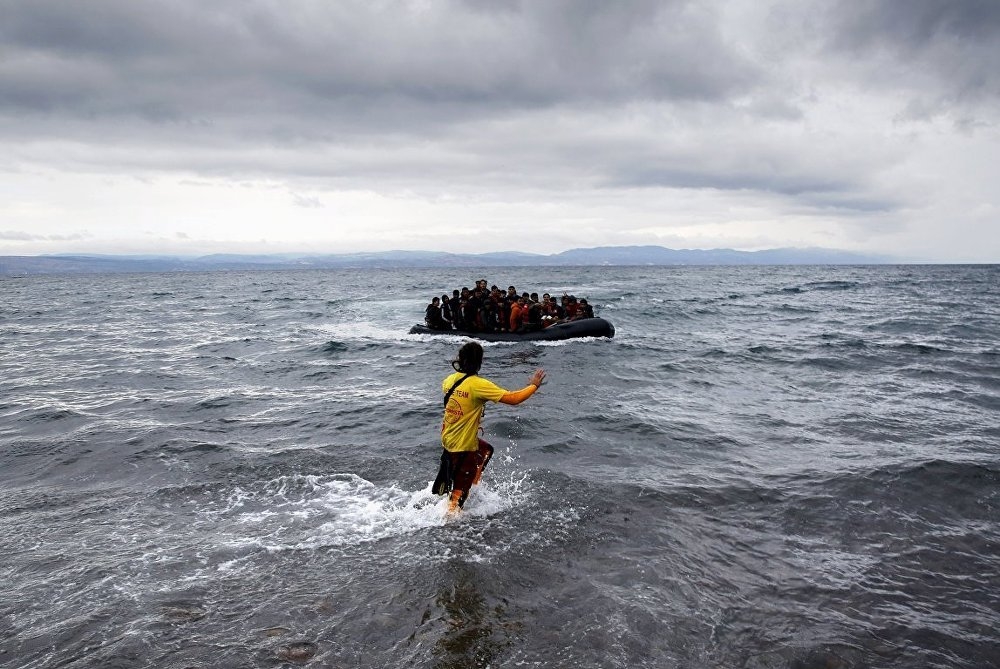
(182, 613)
(323, 605)
(301, 651)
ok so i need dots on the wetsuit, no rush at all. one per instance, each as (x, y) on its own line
(465, 455)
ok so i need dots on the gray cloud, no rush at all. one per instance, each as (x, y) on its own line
(945, 53)
(22, 236)
(18, 235)
(915, 25)
(311, 71)
(171, 59)
(508, 100)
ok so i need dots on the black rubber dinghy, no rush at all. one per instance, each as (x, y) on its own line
(585, 327)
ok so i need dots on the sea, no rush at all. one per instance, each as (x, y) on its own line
(766, 467)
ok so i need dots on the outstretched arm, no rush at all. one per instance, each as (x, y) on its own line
(518, 396)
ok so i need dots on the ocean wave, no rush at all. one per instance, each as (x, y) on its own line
(758, 452)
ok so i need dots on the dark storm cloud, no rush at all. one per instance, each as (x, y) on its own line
(679, 177)
(182, 60)
(914, 24)
(438, 96)
(259, 88)
(947, 51)
(814, 189)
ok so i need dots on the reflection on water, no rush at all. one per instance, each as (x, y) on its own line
(478, 630)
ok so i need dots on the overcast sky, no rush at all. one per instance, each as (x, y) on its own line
(290, 125)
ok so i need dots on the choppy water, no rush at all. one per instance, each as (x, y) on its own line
(766, 467)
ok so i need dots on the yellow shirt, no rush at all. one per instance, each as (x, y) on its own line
(459, 431)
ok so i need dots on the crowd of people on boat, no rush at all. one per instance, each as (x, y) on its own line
(490, 309)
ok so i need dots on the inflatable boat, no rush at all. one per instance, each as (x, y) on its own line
(585, 327)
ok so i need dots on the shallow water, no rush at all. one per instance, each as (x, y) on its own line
(766, 467)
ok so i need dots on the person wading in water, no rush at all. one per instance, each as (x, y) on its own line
(465, 455)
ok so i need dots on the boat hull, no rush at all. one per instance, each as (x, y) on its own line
(585, 327)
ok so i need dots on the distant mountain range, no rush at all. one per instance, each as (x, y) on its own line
(604, 255)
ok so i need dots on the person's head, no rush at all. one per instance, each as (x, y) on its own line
(583, 300)
(436, 301)
(534, 297)
(455, 293)
(512, 290)
(470, 358)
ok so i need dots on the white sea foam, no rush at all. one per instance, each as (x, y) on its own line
(365, 331)
(309, 512)
(571, 342)
(459, 339)
(435, 337)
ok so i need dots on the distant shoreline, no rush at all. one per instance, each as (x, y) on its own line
(616, 256)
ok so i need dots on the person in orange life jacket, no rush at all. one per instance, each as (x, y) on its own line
(518, 312)
(507, 300)
(465, 455)
(570, 306)
(525, 303)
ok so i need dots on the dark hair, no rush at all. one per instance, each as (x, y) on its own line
(470, 358)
